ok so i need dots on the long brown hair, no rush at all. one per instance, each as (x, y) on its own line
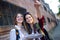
(27, 24)
(23, 23)
(27, 13)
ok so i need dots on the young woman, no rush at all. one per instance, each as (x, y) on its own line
(19, 32)
(31, 26)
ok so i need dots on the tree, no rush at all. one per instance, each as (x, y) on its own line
(59, 0)
(59, 10)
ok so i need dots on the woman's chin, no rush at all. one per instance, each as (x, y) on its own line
(19, 21)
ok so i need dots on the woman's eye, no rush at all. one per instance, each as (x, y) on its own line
(29, 17)
(21, 16)
(17, 16)
(26, 18)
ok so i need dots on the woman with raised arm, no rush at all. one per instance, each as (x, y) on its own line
(31, 26)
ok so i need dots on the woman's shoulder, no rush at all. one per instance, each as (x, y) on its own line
(35, 24)
(15, 27)
(41, 18)
(12, 30)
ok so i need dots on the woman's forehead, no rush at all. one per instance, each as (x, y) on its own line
(28, 15)
(19, 14)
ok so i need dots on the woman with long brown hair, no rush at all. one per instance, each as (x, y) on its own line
(31, 26)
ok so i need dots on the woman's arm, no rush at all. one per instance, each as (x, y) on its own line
(37, 5)
(12, 35)
(33, 36)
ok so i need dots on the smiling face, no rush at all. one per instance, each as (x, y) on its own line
(19, 18)
(29, 19)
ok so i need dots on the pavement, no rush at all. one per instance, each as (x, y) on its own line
(55, 32)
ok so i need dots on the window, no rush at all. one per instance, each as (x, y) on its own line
(48, 19)
(8, 11)
(1, 20)
(45, 8)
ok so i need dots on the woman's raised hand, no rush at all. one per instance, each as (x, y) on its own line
(37, 4)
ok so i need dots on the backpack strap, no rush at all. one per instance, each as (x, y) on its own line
(17, 34)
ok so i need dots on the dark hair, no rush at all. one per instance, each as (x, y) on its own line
(36, 28)
(27, 13)
(27, 24)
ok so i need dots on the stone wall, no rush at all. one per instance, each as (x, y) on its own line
(4, 32)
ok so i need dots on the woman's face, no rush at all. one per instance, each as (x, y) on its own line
(19, 18)
(29, 19)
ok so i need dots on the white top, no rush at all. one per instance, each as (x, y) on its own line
(23, 34)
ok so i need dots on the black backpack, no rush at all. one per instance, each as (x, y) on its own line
(17, 34)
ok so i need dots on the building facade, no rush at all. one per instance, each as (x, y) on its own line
(8, 8)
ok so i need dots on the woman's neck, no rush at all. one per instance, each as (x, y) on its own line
(31, 26)
(19, 24)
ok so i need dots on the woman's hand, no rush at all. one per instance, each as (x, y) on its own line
(37, 4)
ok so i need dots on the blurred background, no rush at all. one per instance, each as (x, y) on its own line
(50, 9)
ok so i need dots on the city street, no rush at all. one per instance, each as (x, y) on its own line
(55, 33)
(11, 8)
